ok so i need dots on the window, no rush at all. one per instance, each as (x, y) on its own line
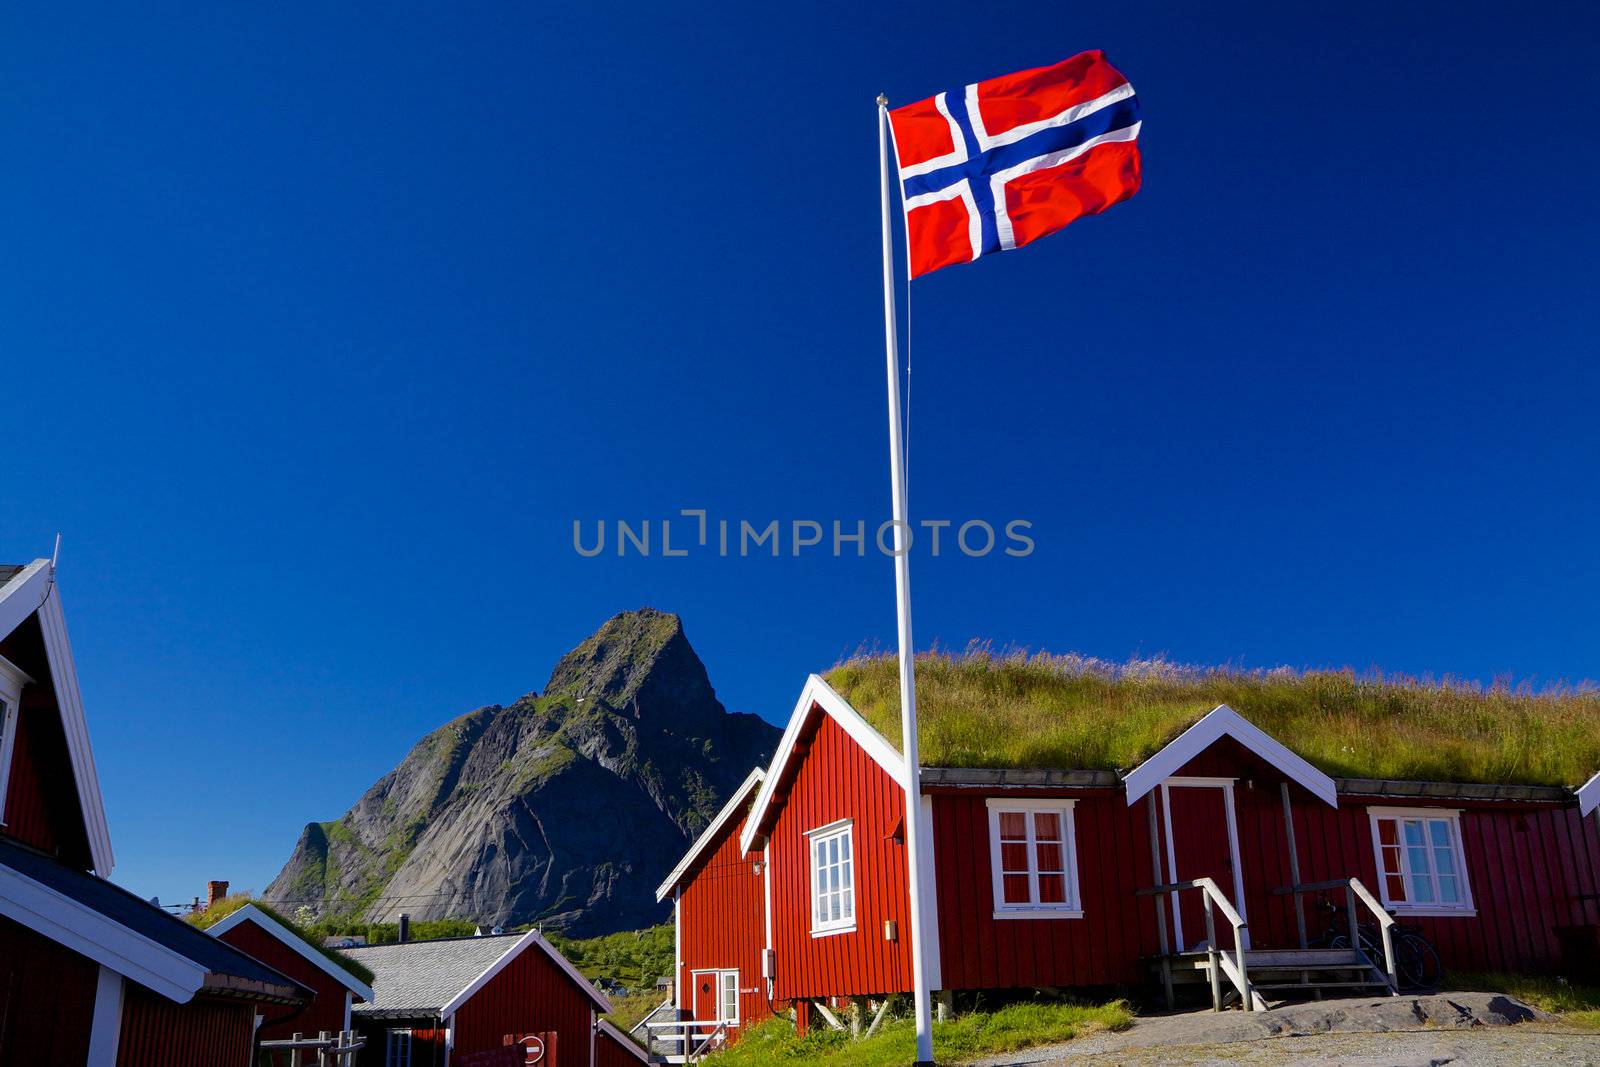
(833, 882)
(11, 682)
(728, 996)
(1033, 856)
(398, 1052)
(1421, 868)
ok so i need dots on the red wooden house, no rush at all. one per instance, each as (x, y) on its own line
(718, 893)
(449, 1000)
(334, 988)
(613, 1048)
(89, 973)
(1065, 877)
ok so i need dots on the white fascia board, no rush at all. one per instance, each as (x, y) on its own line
(22, 595)
(70, 702)
(711, 833)
(527, 940)
(1223, 721)
(76, 926)
(819, 694)
(1589, 795)
(251, 913)
(628, 1043)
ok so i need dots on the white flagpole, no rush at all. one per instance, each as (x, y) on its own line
(902, 584)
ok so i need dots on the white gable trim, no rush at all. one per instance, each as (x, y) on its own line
(1223, 721)
(532, 937)
(709, 835)
(819, 694)
(1589, 795)
(85, 931)
(628, 1044)
(22, 595)
(65, 675)
(251, 913)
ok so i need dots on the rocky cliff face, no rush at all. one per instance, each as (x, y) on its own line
(566, 807)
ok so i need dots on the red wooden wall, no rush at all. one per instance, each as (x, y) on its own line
(42, 807)
(837, 779)
(979, 951)
(722, 925)
(325, 1012)
(46, 999)
(610, 1052)
(157, 1032)
(531, 995)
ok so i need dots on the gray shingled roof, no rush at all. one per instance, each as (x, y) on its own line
(420, 977)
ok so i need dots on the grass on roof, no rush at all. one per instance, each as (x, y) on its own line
(984, 709)
(232, 903)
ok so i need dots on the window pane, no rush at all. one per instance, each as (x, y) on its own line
(1417, 862)
(845, 879)
(833, 850)
(1388, 836)
(1449, 890)
(1444, 861)
(1013, 826)
(833, 907)
(1052, 889)
(1050, 858)
(1396, 887)
(848, 910)
(844, 846)
(1016, 889)
(1423, 888)
(1014, 857)
(1439, 831)
(1047, 825)
(1413, 831)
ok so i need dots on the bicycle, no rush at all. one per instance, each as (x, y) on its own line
(1416, 963)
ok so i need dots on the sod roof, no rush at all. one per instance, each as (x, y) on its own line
(1037, 711)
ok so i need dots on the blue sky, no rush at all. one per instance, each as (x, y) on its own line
(322, 326)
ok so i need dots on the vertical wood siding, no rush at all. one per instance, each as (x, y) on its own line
(46, 999)
(532, 995)
(723, 917)
(202, 1033)
(837, 780)
(325, 1012)
(609, 1052)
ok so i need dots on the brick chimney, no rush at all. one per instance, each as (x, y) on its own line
(215, 891)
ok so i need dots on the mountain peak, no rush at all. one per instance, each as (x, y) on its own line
(638, 663)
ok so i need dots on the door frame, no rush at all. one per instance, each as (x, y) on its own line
(716, 974)
(1226, 785)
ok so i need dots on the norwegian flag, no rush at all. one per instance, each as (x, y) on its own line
(1012, 159)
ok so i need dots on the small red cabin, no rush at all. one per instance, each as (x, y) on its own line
(719, 980)
(1080, 877)
(89, 973)
(334, 988)
(448, 1000)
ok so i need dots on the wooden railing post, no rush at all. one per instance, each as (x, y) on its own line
(295, 1059)
(1161, 903)
(1215, 955)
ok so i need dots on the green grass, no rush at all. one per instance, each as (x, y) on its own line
(974, 1034)
(982, 709)
(1577, 1005)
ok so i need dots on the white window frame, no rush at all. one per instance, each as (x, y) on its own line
(844, 829)
(1072, 906)
(719, 978)
(390, 1045)
(1462, 908)
(11, 682)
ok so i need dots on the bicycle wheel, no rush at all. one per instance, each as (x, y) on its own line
(1417, 964)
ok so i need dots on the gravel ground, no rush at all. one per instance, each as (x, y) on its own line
(1467, 1028)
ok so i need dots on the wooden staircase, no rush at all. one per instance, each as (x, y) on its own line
(1280, 974)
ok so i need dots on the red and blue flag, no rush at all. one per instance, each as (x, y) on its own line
(1012, 159)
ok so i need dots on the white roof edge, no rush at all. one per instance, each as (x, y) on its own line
(64, 674)
(711, 832)
(612, 1031)
(83, 930)
(294, 941)
(1223, 721)
(1589, 795)
(22, 595)
(532, 937)
(820, 694)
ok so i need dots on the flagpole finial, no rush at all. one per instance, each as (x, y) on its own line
(883, 101)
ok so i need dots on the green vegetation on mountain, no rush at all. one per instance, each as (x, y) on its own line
(981, 709)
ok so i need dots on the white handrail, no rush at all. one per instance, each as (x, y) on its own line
(1236, 968)
(1354, 890)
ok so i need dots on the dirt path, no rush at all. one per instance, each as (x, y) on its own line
(1467, 1028)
